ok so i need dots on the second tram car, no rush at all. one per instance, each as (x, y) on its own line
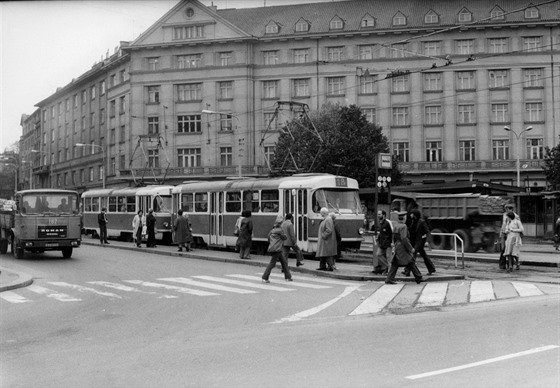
(122, 205)
(214, 206)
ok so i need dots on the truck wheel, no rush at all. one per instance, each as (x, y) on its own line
(67, 252)
(490, 245)
(464, 235)
(4, 246)
(438, 241)
(16, 249)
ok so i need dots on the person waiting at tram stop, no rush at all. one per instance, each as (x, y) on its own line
(138, 223)
(151, 229)
(182, 231)
(338, 238)
(102, 222)
(502, 263)
(245, 239)
(326, 242)
(419, 232)
(514, 231)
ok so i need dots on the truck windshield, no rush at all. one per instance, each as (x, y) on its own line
(338, 201)
(49, 204)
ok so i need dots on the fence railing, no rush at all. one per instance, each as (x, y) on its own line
(455, 239)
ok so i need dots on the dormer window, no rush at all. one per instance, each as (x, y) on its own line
(336, 23)
(399, 20)
(465, 16)
(497, 14)
(431, 18)
(532, 13)
(272, 28)
(367, 21)
(302, 25)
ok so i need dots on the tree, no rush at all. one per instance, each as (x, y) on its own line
(552, 166)
(348, 145)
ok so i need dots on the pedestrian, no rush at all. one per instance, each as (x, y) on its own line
(338, 238)
(326, 242)
(236, 231)
(557, 233)
(182, 229)
(290, 242)
(384, 236)
(245, 239)
(514, 231)
(404, 253)
(419, 232)
(503, 235)
(137, 226)
(151, 229)
(102, 221)
(276, 239)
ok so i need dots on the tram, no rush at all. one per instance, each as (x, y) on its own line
(122, 205)
(214, 206)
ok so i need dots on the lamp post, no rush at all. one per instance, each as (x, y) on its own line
(50, 165)
(240, 141)
(518, 135)
(92, 145)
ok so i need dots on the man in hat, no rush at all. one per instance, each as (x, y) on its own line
(102, 222)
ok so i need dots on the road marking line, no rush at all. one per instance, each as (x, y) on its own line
(61, 297)
(481, 291)
(318, 280)
(296, 282)
(244, 284)
(526, 289)
(85, 289)
(307, 313)
(484, 362)
(378, 300)
(174, 288)
(122, 287)
(12, 297)
(433, 294)
(208, 285)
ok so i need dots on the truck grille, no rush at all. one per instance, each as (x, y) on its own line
(52, 231)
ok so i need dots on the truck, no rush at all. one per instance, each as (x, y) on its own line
(475, 218)
(41, 220)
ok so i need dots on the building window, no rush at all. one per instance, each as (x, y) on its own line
(101, 116)
(122, 134)
(398, 50)
(499, 113)
(225, 90)
(153, 94)
(535, 149)
(335, 86)
(226, 156)
(269, 153)
(189, 157)
(122, 162)
(270, 89)
(497, 14)
(300, 55)
(153, 63)
(270, 57)
(336, 24)
(401, 151)
(225, 58)
(432, 82)
(113, 164)
(153, 125)
(189, 92)
(367, 22)
(464, 46)
(112, 136)
(533, 112)
(400, 84)
(301, 88)
(466, 150)
(102, 87)
(464, 16)
(302, 26)
(433, 151)
(498, 45)
(432, 115)
(367, 84)
(272, 28)
(122, 105)
(270, 119)
(112, 108)
(335, 54)
(466, 114)
(500, 149)
(399, 20)
(533, 78)
(465, 80)
(532, 43)
(498, 79)
(432, 48)
(153, 158)
(190, 32)
(366, 51)
(91, 174)
(191, 61)
(431, 18)
(112, 80)
(92, 119)
(371, 114)
(84, 99)
(400, 116)
(189, 123)
(92, 92)
(75, 100)
(226, 122)
(532, 13)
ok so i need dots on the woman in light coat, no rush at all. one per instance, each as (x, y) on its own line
(326, 242)
(514, 230)
(137, 224)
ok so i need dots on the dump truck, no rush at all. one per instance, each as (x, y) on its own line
(475, 218)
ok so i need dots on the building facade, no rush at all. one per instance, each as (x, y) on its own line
(194, 95)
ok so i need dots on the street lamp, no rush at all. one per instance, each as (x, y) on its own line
(240, 141)
(518, 135)
(50, 165)
(102, 149)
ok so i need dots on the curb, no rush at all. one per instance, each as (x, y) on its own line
(21, 279)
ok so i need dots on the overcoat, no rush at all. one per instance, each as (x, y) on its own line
(513, 240)
(326, 239)
(245, 232)
(182, 230)
(288, 229)
(403, 248)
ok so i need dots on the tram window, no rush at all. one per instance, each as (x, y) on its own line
(201, 202)
(340, 201)
(87, 204)
(131, 204)
(95, 204)
(187, 202)
(121, 204)
(112, 204)
(233, 202)
(251, 201)
(270, 201)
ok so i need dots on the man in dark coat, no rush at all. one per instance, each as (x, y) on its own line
(404, 253)
(181, 229)
(102, 221)
(151, 229)
(419, 232)
(384, 240)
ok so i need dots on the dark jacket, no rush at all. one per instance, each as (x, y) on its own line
(275, 239)
(288, 229)
(385, 234)
(403, 248)
(102, 219)
(419, 232)
(245, 238)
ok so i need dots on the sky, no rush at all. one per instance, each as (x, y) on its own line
(44, 44)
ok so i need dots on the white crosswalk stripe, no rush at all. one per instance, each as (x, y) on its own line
(217, 287)
(334, 282)
(85, 289)
(433, 294)
(12, 297)
(52, 294)
(268, 287)
(526, 289)
(170, 287)
(122, 287)
(481, 291)
(379, 299)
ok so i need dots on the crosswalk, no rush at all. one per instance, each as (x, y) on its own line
(378, 297)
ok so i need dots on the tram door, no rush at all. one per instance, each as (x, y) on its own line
(295, 202)
(216, 228)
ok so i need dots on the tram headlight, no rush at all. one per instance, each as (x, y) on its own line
(361, 231)
(166, 225)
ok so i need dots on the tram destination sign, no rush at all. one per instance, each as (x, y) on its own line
(341, 182)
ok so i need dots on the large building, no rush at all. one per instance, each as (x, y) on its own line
(194, 94)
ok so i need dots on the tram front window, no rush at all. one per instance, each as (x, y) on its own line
(49, 204)
(338, 201)
(162, 204)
